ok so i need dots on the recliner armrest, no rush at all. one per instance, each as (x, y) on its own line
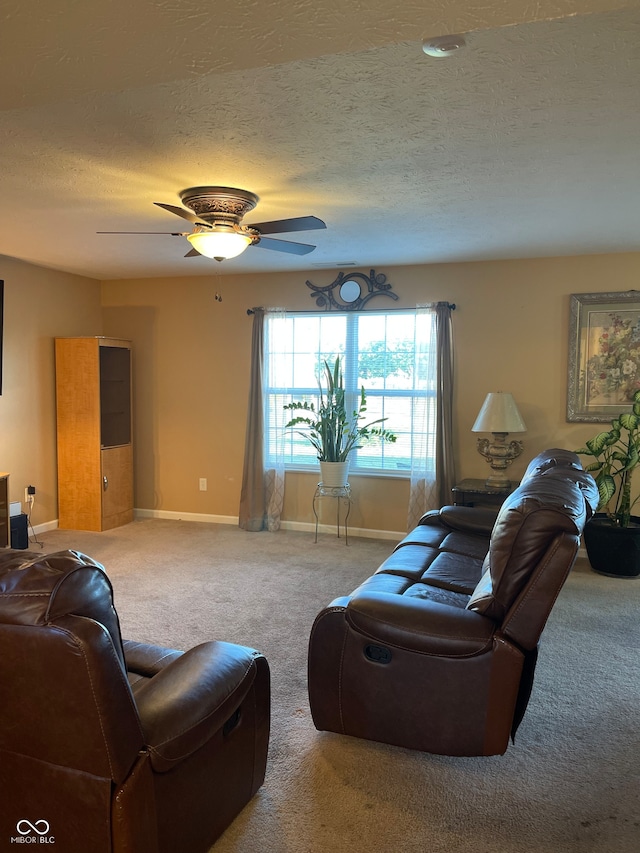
(420, 625)
(146, 660)
(191, 698)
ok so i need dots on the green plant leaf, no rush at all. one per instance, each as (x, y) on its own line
(629, 421)
(617, 455)
(332, 433)
(606, 489)
(597, 444)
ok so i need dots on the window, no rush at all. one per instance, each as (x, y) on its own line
(392, 354)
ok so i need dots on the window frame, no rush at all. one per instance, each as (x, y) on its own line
(350, 347)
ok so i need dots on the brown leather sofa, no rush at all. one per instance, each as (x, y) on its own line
(436, 651)
(107, 745)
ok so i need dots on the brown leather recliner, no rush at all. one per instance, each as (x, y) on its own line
(436, 651)
(109, 746)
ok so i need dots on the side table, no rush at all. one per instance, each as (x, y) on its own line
(472, 492)
(340, 494)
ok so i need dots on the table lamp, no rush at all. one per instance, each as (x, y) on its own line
(499, 415)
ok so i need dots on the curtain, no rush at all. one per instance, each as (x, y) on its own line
(432, 465)
(445, 466)
(262, 493)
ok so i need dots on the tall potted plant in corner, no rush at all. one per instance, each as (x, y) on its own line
(612, 536)
(333, 433)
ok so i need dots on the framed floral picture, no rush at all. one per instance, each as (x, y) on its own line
(604, 355)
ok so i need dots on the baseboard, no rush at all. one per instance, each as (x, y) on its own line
(301, 526)
(202, 517)
(42, 528)
(206, 518)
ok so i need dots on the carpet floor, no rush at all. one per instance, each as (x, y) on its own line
(569, 784)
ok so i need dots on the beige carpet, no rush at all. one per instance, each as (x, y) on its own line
(570, 784)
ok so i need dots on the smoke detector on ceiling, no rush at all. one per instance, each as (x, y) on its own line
(443, 45)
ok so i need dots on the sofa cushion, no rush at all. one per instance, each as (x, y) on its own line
(411, 561)
(446, 550)
(426, 592)
(439, 568)
(457, 572)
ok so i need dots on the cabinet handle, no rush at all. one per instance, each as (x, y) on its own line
(105, 484)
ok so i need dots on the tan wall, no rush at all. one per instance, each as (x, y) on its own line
(39, 304)
(191, 368)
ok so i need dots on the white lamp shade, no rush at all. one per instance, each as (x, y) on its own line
(499, 413)
(222, 243)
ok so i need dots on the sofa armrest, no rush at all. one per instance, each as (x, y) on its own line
(469, 519)
(420, 625)
(191, 698)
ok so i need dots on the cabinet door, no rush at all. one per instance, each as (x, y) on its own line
(115, 395)
(117, 486)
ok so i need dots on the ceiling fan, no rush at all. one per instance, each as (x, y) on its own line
(217, 212)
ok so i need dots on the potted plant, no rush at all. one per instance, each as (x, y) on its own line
(334, 433)
(612, 536)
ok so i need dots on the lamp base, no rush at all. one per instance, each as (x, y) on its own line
(497, 481)
(499, 455)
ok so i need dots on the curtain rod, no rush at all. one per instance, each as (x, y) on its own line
(450, 305)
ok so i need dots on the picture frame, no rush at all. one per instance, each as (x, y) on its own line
(604, 355)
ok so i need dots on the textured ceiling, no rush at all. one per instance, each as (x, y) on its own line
(523, 144)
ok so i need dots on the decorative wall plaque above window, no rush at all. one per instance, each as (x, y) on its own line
(351, 291)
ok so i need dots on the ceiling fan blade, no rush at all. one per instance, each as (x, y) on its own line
(180, 211)
(284, 246)
(193, 253)
(281, 226)
(170, 233)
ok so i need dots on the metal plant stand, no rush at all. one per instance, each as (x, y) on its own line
(341, 494)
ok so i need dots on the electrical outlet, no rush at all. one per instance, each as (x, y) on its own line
(29, 494)
(203, 484)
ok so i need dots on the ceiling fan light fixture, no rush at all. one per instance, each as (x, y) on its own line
(220, 243)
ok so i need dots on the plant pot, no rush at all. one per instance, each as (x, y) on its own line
(334, 475)
(613, 550)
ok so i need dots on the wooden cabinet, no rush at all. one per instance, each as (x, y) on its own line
(95, 452)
